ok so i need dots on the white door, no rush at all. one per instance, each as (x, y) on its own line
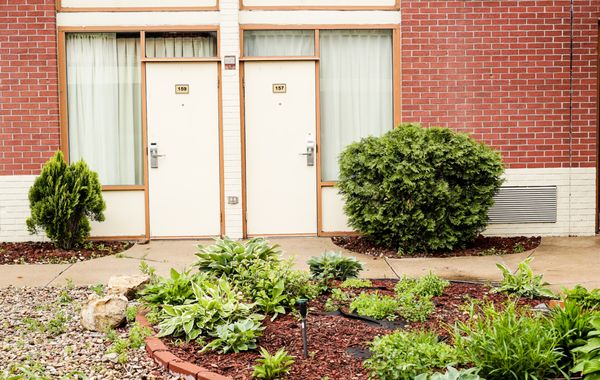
(280, 123)
(183, 131)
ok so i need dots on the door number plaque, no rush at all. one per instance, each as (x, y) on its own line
(182, 88)
(279, 88)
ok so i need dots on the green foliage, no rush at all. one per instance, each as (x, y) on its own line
(257, 270)
(174, 290)
(63, 199)
(375, 306)
(131, 313)
(403, 355)
(273, 367)
(419, 189)
(588, 359)
(334, 266)
(588, 299)
(98, 289)
(226, 255)
(138, 335)
(413, 308)
(214, 303)
(356, 283)
(336, 300)
(452, 374)
(508, 344)
(235, 337)
(428, 285)
(523, 283)
(572, 325)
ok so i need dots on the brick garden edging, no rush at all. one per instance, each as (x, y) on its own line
(160, 353)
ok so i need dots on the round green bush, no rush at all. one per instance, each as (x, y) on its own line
(417, 189)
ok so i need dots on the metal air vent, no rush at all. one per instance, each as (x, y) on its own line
(524, 204)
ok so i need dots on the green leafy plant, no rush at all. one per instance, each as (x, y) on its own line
(588, 299)
(273, 367)
(98, 289)
(507, 343)
(587, 362)
(226, 255)
(334, 266)
(417, 188)
(524, 282)
(375, 306)
(452, 374)
(356, 283)
(214, 303)
(518, 248)
(257, 270)
(428, 285)
(174, 290)
(413, 308)
(235, 337)
(337, 299)
(131, 313)
(404, 355)
(63, 200)
(572, 325)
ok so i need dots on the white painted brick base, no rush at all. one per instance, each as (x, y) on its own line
(14, 208)
(575, 215)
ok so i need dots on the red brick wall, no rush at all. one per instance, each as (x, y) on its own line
(29, 126)
(499, 70)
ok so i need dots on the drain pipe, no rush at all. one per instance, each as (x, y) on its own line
(571, 13)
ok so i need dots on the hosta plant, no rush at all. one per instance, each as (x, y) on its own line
(273, 367)
(235, 337)
(212, 305)
(334, 266)
(173, 290)
(588, 355)
(452, 374)
(524, 282)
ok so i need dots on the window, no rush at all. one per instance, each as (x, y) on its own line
(356, 81)
(104, 105)
(279, 43)
(181, 44)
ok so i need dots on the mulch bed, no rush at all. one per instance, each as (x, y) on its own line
(481, 246)
(331, 337)
(47, 253)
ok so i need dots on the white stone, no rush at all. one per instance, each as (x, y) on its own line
(100, 314)
(127, 285)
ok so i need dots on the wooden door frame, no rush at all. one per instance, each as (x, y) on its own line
(397, 102)
(63, 106)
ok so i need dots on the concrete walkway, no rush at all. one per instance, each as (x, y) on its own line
(563, 261)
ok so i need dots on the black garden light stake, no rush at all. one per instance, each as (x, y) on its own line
(303, 307)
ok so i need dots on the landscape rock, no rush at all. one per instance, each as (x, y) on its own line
(127, 285)
(100, 314)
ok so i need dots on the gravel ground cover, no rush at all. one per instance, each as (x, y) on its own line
(41, 338)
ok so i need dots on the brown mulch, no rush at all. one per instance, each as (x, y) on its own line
(331, 336)
(481, 246)
(47, 253)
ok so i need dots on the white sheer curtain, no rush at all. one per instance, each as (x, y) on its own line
(181, 47)
(356, 90)
(279, 43)
(104, 105)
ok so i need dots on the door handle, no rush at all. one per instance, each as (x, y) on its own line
(310, 156)
(154, 155)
